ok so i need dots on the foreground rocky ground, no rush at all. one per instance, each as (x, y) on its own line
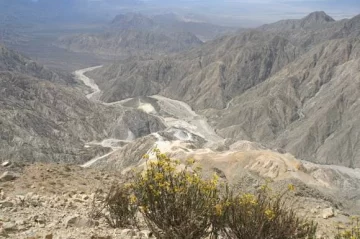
(54, 201)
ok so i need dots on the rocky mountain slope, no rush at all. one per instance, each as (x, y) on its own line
(226, 78)
(131, 35)
(169, 22)
(44, 117)
(309, 108)
(128, 43)
(13, 62)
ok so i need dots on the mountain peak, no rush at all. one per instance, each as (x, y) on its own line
(132, 21)
(318, 17)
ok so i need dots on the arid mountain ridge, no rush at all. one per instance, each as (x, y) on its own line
(226, 78)
(46, 117)
(137, 35)
(132, 35)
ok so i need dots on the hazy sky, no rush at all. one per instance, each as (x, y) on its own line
(245, 13)
(255, 12)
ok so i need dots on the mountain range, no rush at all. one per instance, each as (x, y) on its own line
(274, 85)
(134, 34)
(274, 105)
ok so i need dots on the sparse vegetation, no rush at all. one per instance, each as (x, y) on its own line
(115, 206)
(262, 216)
(353, 232)
(177, 202)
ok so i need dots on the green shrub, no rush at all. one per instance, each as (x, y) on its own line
(175, 203)
(262, 216)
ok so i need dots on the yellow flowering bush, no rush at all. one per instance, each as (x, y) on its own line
(353, 232)
(262, 216)
(176, 202)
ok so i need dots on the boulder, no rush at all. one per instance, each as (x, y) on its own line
(7, 176)
(6, 164)
(328, 213)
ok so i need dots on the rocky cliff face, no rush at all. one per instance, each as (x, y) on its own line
(289, 87)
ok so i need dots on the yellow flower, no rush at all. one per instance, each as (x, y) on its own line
(218, 209)
(269, 214)
(264, 187)
(248, 199)
(143, 208)
(346, 234)
(159, 176)
(215, 178)
(133, 199)
(128, 185)
(291, 187)
(190, 161)
(163, 157)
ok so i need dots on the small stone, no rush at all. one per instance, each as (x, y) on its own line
(7, 176)
(20, 222)
(9, 226)
(7, 204)
(29, 195)
(314, 211)
(6, 163)
(2, 195)
(78, 200)
(128, 232)
(77, 221)
(145, 234)
(100, 237)
(49, 236)
(327, 213)
(39, 219)
(85, 197)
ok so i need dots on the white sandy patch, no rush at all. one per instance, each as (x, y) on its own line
(147, 108)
